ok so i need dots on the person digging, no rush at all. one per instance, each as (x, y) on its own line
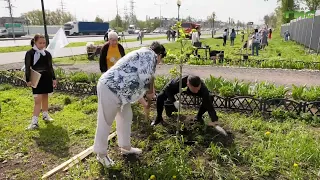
(194, 86)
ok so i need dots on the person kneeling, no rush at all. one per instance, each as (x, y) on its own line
(194, 87)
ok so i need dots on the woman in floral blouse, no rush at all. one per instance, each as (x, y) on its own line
(124, 83)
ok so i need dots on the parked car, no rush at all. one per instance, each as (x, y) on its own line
(145, 30)
(157, 30)
(137, 31)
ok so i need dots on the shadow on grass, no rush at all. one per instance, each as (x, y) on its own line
(54, 140)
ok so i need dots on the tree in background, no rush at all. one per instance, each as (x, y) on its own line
(116, 22)
(57, 17)
(98, 19)
(288, 6)
(311, 4)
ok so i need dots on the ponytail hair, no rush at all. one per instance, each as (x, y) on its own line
(36, 38)
(32, 42)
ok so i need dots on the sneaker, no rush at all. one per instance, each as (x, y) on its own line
(131, 151)
(34, 124)
(105, 161)
(157, 121)
(47, 118)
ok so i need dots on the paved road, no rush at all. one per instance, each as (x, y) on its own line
(16, 57)
(278, 76)
(12, 43)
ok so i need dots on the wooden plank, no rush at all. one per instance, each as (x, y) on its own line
(74, 160)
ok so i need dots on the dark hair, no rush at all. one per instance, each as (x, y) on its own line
(225, 30)
(233, 30)
(158, 49)
(36, 38)
(256, 30)
(194, 81)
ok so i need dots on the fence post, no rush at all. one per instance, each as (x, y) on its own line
(311, 34)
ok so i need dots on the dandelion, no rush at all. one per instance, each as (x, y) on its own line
(295, 165)
(267, 133)
(152, 177)
(174, 177)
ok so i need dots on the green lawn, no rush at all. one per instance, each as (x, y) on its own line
(255, 148)
(73, 44)
(290, 52)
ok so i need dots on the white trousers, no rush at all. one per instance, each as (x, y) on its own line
(108, 110)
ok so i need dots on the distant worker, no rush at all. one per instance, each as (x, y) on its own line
(270, 33)
(140, 36)
(225, 35)
(173, 35)
(195, 40)
(242, 36)
(168, 35)
(111, 52)
(256, 38)
(232, 36)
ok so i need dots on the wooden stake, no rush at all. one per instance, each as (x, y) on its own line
(74, 160)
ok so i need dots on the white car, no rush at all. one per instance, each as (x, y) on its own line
(137, 31)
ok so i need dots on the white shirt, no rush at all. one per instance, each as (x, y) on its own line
(195, 37)
(130, 76)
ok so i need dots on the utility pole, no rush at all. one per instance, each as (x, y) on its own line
(10, 6)
(45, 22)
(132, 11)
(117, 14)
(63, 6)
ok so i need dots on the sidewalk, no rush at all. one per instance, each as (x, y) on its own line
(16, 57)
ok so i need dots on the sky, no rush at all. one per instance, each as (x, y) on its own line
(243, 10)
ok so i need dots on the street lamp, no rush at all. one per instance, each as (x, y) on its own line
(178, 4)
(45, 23)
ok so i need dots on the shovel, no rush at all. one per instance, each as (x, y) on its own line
(218, 128)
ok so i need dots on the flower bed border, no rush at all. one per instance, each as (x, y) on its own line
(239, 103)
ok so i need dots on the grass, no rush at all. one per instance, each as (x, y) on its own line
(73, 44)
(290, 53)
(255, 148)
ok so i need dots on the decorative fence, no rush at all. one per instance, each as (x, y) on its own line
(304, 31)
(246, 104)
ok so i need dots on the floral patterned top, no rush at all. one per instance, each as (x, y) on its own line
(129, 78)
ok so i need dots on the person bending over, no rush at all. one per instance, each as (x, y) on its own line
(194, 87)
(124, 83)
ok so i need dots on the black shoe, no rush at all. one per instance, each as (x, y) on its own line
(156, 121)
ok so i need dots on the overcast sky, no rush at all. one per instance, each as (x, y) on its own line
(243, 10)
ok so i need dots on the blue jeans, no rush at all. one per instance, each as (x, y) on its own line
(255, 46)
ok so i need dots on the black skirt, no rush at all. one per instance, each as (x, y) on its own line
(45, 85)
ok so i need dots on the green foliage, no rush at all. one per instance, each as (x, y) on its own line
(256, 148)
(265, 90)
(57, 17)
(79, 77)
(98, 19)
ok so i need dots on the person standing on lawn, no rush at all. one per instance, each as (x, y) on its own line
(125, 83)
(270, 33)
(264, 38)
(242, 36)
(232, 36)
(40, 60)
(111, 52)
(225, 36)
(256, 38)
(195, 86)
